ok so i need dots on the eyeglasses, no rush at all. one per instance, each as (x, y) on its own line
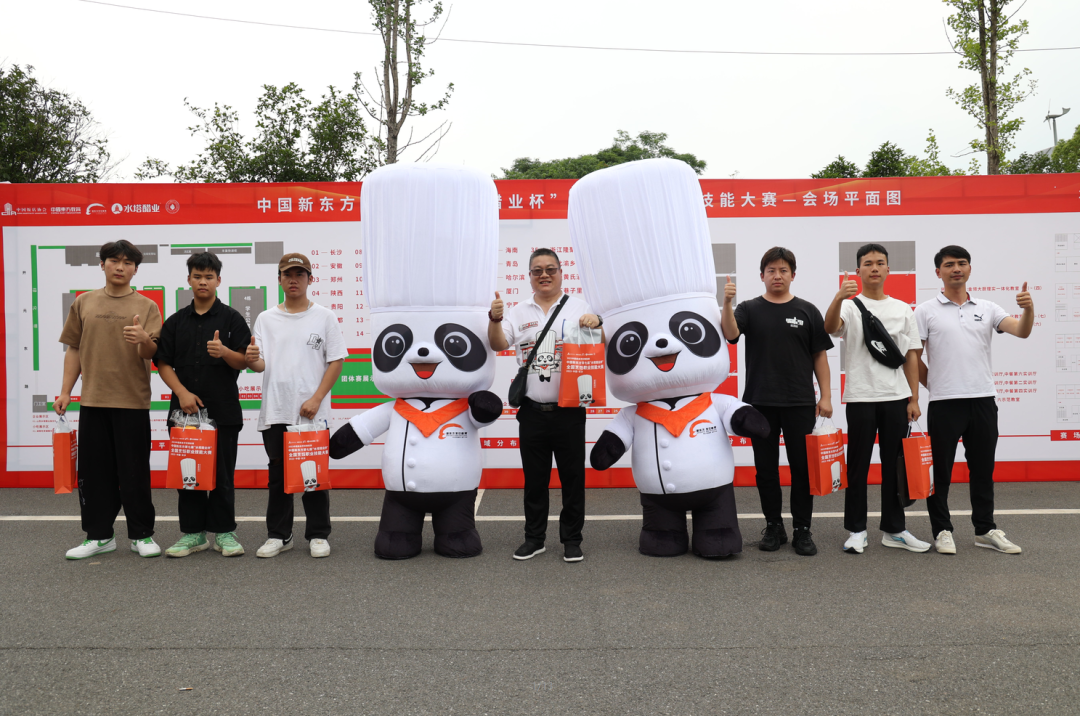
(538, 272)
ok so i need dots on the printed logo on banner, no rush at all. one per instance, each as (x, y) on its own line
(118, 208)
(172, 206)
(8, 211)
(452, 430)
(95, 209)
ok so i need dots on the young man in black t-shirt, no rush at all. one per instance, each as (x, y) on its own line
(785, 348)
(200, 356)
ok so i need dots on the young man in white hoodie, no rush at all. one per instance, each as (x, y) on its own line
(880, 400)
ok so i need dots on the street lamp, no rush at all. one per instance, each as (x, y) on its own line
(1052, 118)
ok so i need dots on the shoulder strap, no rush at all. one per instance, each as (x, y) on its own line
(547, 326)
(857, 302)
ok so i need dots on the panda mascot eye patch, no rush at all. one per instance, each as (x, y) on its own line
(624, 348)
(696, 332)
(390, 347)
(462, 347)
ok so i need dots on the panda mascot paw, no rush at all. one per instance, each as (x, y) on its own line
(607, 451)
(486, 407)
(747, 422)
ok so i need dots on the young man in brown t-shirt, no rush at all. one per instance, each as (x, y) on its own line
(111, 335)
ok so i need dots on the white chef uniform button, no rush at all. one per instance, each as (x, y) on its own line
(410, 462)
(667, 464)
(671, 487)
(410, 485)
(413, 441)
(664, 442)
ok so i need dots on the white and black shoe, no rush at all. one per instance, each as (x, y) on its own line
(274, 546)
(528, 550)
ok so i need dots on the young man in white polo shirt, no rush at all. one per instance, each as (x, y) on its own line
(298, 347)
(545, 429)
(956, 331)
(880, 401)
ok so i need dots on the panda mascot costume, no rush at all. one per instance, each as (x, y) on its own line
(430, 247)
(642, 243)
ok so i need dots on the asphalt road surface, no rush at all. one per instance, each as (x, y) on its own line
(886, 632)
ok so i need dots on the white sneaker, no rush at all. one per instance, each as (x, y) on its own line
(146, 547)
(856, 543)
(995, 539)
(319, 548)
(91, 547)
(274, 546)
(944, 543)
(904, 540)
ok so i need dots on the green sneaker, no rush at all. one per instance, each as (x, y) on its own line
(228, 546)
(193, 542)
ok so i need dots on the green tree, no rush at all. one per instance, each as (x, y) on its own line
(985, 39)
(295, 141)
(839, 168)
(1065, 157)
(888, 160)
(402, 71)
(47, 135)
(624, 148)
(932, 165)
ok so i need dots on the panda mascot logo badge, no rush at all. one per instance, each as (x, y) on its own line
(649, 273)
(430, 239)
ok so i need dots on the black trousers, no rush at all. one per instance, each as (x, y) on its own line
(401, 525)
(213, 510)
(279, 505)
(888, 422)
(542, 434)
(795, 422)
(114, 471)
(716, 523)
(975, 420)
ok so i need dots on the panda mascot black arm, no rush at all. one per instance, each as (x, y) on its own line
(344, 442)
(486, 407)
(607, 450)
(747, 422)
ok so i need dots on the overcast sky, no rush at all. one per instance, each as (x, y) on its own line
(760, 116)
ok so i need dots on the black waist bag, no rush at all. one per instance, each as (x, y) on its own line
(878, 341)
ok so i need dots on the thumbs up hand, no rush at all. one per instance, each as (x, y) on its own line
(252, 354)
(135, 334)
(848, 287)
(216, 348)
(1023, 299)
(729, 291)
(497, 309)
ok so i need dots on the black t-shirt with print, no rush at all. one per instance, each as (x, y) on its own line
(781, 340)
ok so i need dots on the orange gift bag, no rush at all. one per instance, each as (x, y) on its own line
(192, 454)
(581, 384)
(919, 462)
(307, 458)
(65, 448)
(825, 459)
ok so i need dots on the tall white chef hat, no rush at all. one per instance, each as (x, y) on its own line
(430, 234)
(640, 234)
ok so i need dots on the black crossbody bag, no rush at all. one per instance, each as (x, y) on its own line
(516, 394)
(878, 341)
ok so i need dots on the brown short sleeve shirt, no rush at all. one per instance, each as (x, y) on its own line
(113, 374)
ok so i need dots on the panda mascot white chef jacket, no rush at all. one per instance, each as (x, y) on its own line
(642, 243)
(430, 245)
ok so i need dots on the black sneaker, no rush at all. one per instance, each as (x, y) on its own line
(800, 540)
(772, 537)
(572, 553)
(529, 550)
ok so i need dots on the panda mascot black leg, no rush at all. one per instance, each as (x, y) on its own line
(455, 525)
(716, 524)
(663, 527)
(401, 527)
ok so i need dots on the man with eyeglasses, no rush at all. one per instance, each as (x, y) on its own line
(545, 429)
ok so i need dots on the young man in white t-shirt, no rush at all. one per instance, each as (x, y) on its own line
(880, 401)
(298, 347)
(956, 331)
